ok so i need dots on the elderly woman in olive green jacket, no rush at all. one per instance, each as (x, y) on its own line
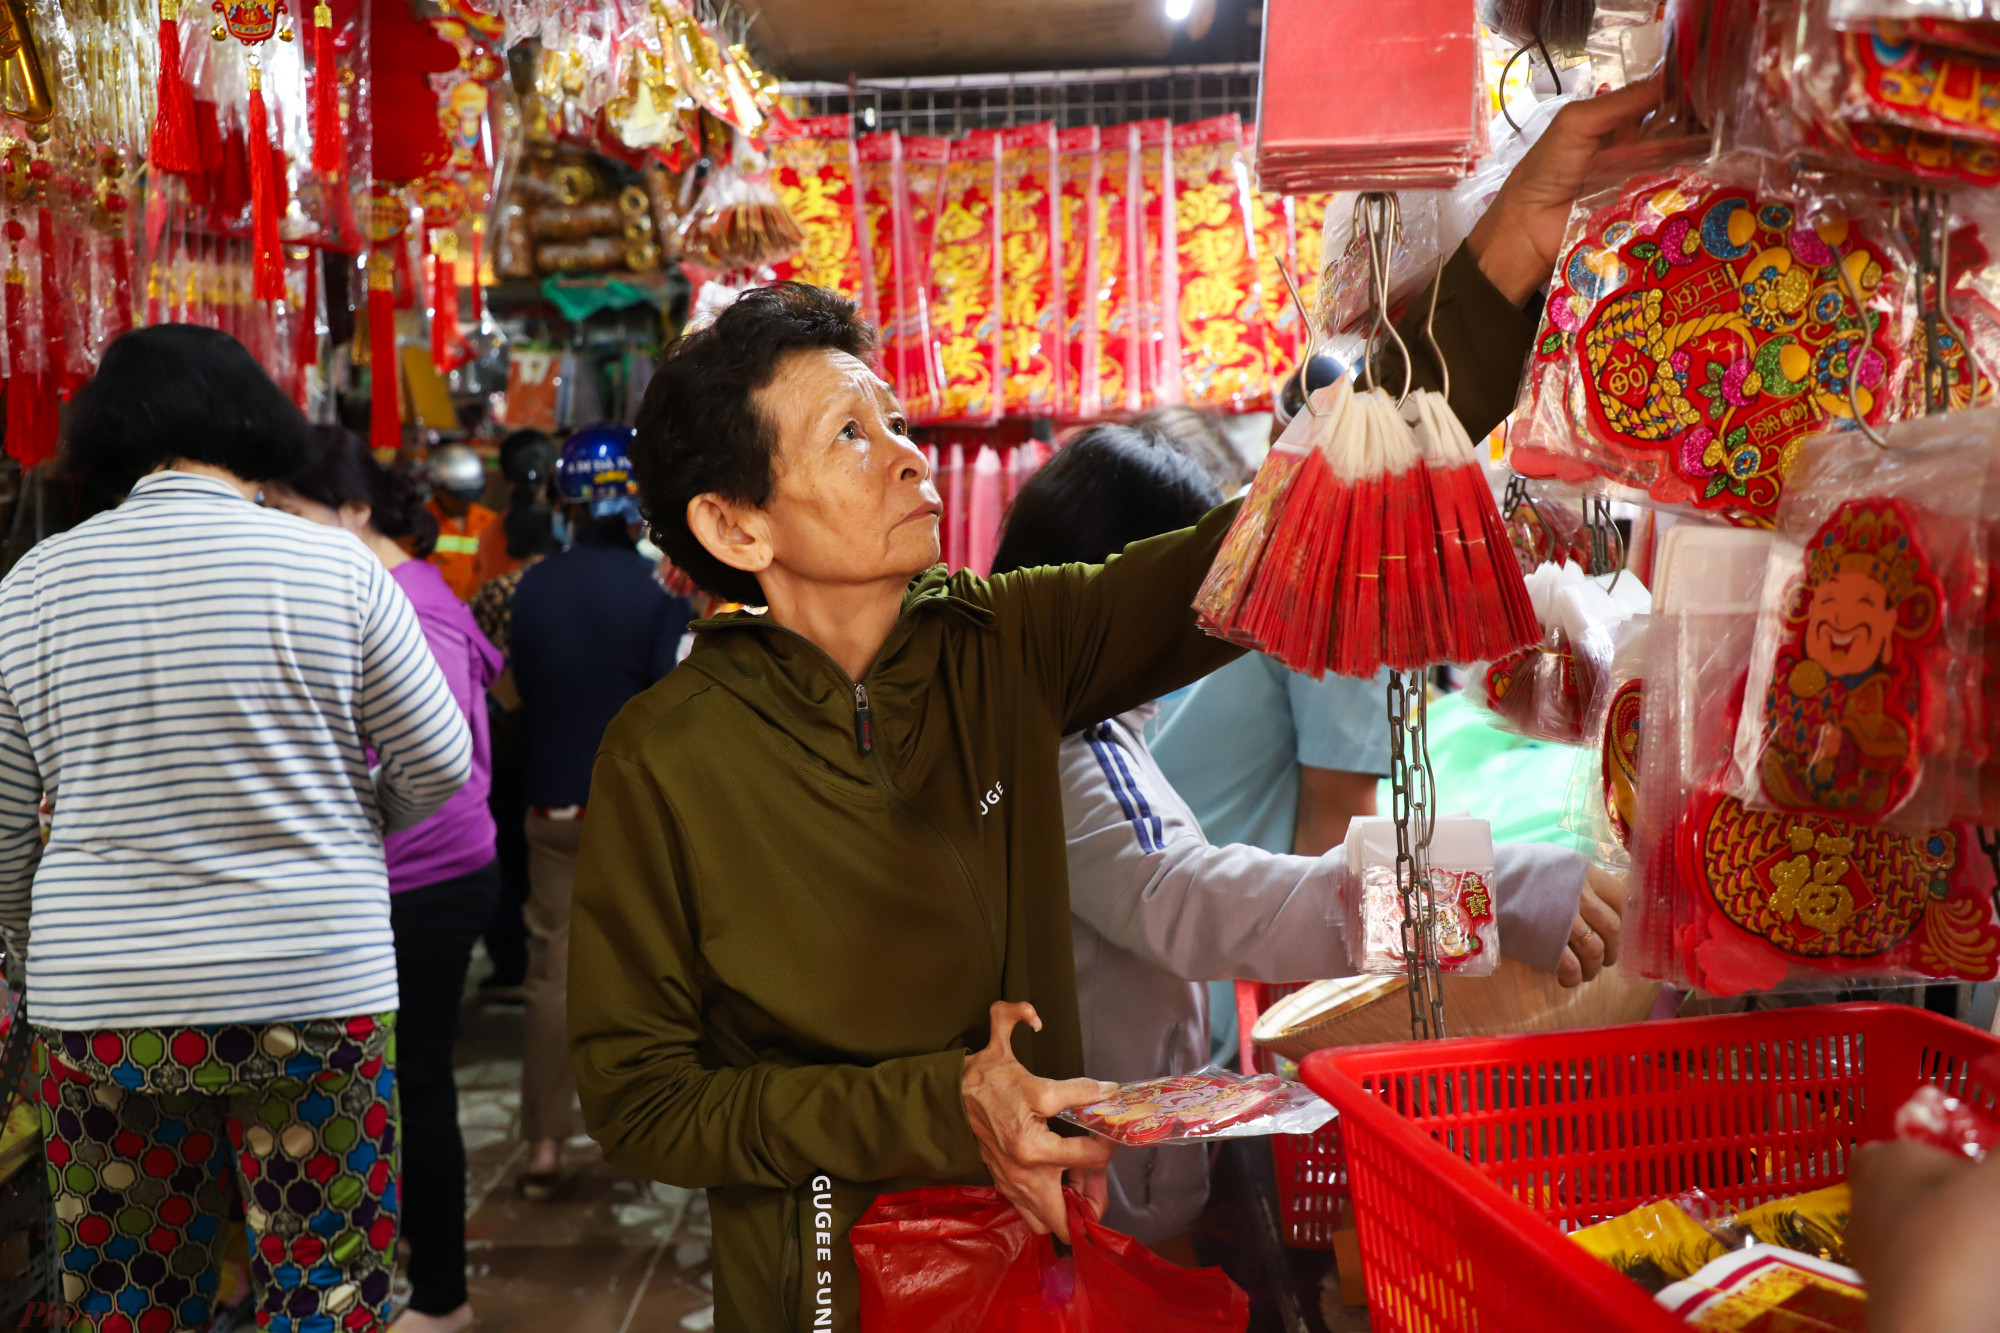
(820, 946)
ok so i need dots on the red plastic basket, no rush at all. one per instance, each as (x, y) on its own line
(1312, 1180)
(1467, 1160)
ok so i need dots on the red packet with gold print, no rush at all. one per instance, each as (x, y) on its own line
(1224, 362)
(965, 281)
(1308, 231)
(920, 193)
(1077, 149)
(1120, 382)
(813, 173)
(880, 162)
(1156, 290)
(1032, 321)
(1284, 331)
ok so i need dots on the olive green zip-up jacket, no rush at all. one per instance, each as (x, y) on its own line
(799, 893)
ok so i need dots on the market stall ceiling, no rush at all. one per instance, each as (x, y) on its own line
(818, 39)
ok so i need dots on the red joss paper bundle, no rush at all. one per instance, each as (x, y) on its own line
(1366, 542)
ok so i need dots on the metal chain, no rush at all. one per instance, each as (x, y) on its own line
(1414, 816)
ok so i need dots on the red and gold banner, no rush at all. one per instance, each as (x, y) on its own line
(920, 193)
(1308, 230)
(1224, 359)
(1031, 266)
(1077, 164)
(965, 281)
(1154, 290)
(879, 159)
(1119, 381)
(1271, 218)
(813, 171)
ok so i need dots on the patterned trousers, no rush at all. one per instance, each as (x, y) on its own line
(144, 1128)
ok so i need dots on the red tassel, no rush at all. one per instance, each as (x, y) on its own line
(305, 336)
(173, 146)
(267, 270)
(385, 413)
(478, 294)
(232, 180)
(329, 138)
(448, 351)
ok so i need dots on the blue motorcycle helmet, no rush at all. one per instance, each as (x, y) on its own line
(596, 470)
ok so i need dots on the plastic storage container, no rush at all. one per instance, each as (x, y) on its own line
(1468, 1160)
(1311, 1178)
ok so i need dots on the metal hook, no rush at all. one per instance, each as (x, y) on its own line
(1312, 341)
(1943, 304)
(1379, 217)
(1853, 289)
(1430, 333)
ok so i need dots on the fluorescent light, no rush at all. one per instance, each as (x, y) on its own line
(1178, 10)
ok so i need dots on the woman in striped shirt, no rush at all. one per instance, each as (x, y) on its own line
(195, 685)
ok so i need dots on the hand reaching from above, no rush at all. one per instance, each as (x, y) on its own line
(1517, 239)
(1009, 1109)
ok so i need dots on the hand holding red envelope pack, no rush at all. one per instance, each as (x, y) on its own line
(1210, 1104)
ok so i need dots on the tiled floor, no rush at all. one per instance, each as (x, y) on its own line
(610, 1254)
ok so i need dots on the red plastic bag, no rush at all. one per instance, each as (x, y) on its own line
(960, 1259)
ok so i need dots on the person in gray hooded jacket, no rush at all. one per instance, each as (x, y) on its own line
(1156, 910)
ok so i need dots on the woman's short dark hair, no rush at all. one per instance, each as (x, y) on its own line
(1107, 488)
(180, 391)
(700, 430)
(341, 469)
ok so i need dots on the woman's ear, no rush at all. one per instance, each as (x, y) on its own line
(737, 535)
(354, 516)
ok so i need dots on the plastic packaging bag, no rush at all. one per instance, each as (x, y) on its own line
(965, 281)
(1861, 700)
(1703, 321)
(1604, 790)
(1217, 315)
(960, 1259)
(1951, 1124)
(738, 223)
(1465, 937)
(1212, 1103)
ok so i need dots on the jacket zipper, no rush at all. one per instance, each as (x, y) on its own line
(864, 741)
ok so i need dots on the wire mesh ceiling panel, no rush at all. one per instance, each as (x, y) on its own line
(950, 106)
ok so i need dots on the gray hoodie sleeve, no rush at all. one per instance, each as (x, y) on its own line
(1143, 876)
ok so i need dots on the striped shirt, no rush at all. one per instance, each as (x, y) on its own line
(191, 682)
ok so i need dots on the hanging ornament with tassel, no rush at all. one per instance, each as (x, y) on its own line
(254, 22)
(442, 200)
(173, 148)
(329, 136)
(388, 217)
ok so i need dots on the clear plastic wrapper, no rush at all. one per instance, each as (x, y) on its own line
(1671, 1239)
(1545, 691)
(1625, 43)
(1851, 13)
(1465, 934)
(1863, 697)
(1732, 899)
(1079, 161)
(1703, 321)
(1604, 786)
(1936, 1119)
(738, 223)
(1120, 382)
(1212, 1103)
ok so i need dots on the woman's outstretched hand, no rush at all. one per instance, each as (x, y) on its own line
(1009, 1109)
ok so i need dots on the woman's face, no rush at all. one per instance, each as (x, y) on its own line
(852, 501)
(353, 517)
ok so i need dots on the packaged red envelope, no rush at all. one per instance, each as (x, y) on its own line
(1209, 1104)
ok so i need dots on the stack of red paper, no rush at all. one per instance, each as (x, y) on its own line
(1359, 95)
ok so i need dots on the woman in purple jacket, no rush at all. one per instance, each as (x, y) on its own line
(443, 876)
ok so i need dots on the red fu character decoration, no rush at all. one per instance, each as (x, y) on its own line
(254, 22)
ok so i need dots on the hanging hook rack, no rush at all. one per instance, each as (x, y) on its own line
(1379, 218)
(1852, 288)
(1312, 343)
